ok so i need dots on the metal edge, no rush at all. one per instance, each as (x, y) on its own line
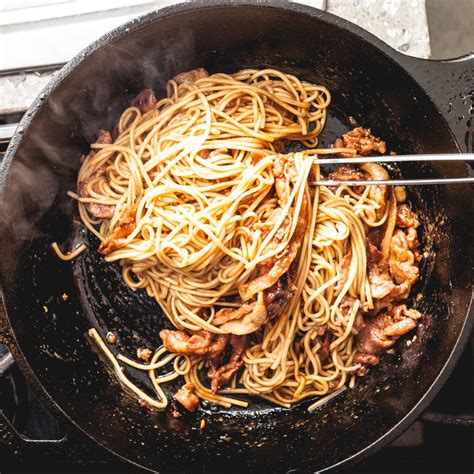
(416, 411)
(450, 85)
(161, 13)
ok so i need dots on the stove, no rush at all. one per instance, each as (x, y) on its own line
(33, 438)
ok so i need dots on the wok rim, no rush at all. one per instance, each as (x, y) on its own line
(124, 30)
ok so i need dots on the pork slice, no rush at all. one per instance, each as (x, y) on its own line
(201, 343)
(347, 173)
(190, 77)
(145, 101)
(402, 258)
(362, 141)
(380, 332)
(246, 319)
(101, 211)
(224, 374)
(104, 137)
(406, 218)
(380, 282)
(273, 269)
(279, 294)
(125, 227)
(186, 396)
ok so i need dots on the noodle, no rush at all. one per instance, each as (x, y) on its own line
(70, 255)
(121, 376)
(194, 177)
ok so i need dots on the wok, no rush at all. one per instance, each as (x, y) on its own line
(417, 106)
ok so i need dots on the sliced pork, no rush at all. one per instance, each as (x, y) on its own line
(186, 396)
(362, 141)
(246, 319)
(125, 227)
(273, 269)
(201, 343)
(402, 257)
(223, 375)
(347, 173)
(190, 77)
(145, 101)
(380, 332)
(213, 347)
(104, 137)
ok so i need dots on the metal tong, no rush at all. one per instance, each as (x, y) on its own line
(396, 159)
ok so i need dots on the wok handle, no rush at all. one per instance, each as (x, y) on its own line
(463, 419)
(450, 84)
(73, 447)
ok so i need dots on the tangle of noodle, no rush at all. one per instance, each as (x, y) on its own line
(196, 173)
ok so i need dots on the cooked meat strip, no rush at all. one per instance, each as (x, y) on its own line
(145, 101)
(101, 211)
(406, 218)
(371, 338)
(366, 359)
(323, 351)
(398, 293)
(381, 283)
(104, 137)
(284, 172)
(186, 396)
(399, 328)
(223, 375)
(201, 343)
(400, 194)
(190, 77)
(280, 146)
(384, 290)
(391, 278)
(126, 225)
(212, 347)
(412, 241)
(378, 193)
(362, 141)
(246, 319)
(401, 312)
(272, 269)
(347, 173)
(144, 354)
(380, 333)
(278, 294)
(270, 223)
(402, 258)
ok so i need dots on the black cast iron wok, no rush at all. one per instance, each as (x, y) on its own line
(415, 105)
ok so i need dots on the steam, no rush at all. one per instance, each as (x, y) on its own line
(28, 195)
(92, 97)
